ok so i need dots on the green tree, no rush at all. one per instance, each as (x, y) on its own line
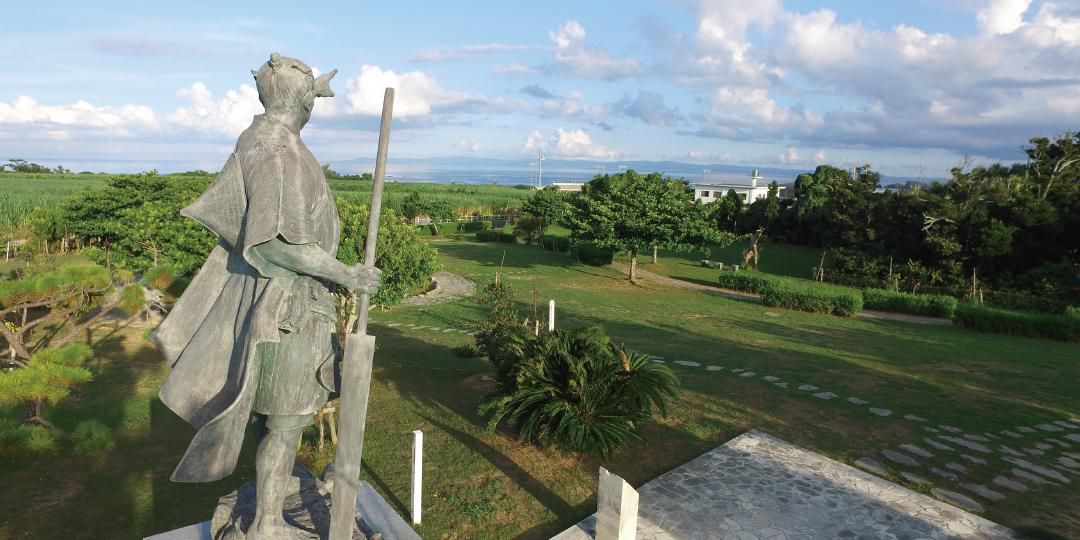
(60, 305)
(407, 261)
(549, 205)
(412, 206)
(633, 212)
(578, 391)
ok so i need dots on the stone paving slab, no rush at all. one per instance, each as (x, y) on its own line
(759, 487)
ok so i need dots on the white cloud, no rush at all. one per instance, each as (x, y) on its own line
(1002, 16)
(789, 156)
(534, 142)
(513, 68)
(415, 93)
(575, 143)
(26, 117)
(819, 157)
(818, 42)
(574, 58)
(752, 110)
(228, 115)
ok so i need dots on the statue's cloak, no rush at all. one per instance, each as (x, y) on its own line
(271, 186)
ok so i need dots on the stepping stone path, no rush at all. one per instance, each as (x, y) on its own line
(937, 445)
(979, 438)
(1012, 434)
(770, 378)
(944, 474)
(871, 465)
(914, 478)
(1034, 451)
(1043, 446)
(747, 374)
(1009, 483)
(856, 401)
(738, 370)
(713, 368)
(807, 387)
(911, 448)
(880, 412)
(1038, 469)
(957, 467)
(1006, 450)
(825, 395)
(902, 459)
(950, 429)
(1034, 478)
(967, 444)
(932, 430)
(957, 499)
(687, 363)
(973, 459)
(1025, 429)
(1066, 425)
(914, 418)
(1062, 444)
(783, 385)
(1050, 427)
(983, 491)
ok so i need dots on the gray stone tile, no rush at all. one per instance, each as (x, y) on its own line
(747, 374)
(872, 465)
(973, 459)
(900, 458)
(825, 395)
(1050, 427)
(1025, 429)
(957, 499)
(807, 387)
(713, 368)
(783, 385)
(1009, 483)
(970, 445)
(880, 412)
(913, 449)
(983, 491)
(936, 445)
(914, 418)
(687, 363)
(856, 401)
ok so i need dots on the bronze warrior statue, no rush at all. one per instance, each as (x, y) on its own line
(253, 334)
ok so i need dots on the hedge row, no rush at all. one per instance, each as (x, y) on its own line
(751, 282)
(473, 226)
(495, 236)
(552, 242)
(933, 305)
(813, 297)
(1017, 323)
(593, 255)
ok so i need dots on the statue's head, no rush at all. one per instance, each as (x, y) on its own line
(287, 85)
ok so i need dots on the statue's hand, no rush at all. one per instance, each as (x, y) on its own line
(364, 279)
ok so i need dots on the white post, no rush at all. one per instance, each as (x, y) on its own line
(551, 315)
(417, 474)
(616, 508)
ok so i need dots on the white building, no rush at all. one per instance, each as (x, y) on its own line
(568, 186)
(708, 192)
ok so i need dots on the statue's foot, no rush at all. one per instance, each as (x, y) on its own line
(277, 529)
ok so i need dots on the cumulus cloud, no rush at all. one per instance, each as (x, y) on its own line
(228, 115)
(752, 111)
(537, 91)
(574, 143)
(574, 58)
(467, 145)
(1002, 16)
(26, 117)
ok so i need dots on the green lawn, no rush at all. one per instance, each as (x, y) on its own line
(487, 485)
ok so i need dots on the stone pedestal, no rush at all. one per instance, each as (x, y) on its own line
(307, 507)
(616, 508)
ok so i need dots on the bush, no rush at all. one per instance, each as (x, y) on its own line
(593, 255)
(473, 226)
(506, 238)
(487, 235)
(751, 282)
(1022, 301)
(467, 351)
(933, 305)
(580, 392)
(559, 244)
(812, 297)
(92, 437)
(529, 229)
(1073, 311)
(1017, 323)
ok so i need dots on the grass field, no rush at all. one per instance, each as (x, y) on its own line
(487, 485)
(21, 193)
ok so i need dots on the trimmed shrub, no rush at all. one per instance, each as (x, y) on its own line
(487, 235)
(559, 244)
(506, 238)
(593, 255)
(751, 282)
(812, 297)
(1017, 323)
(1022, 301)
(933, 305)
(1073, 311)
(473, 226)
(92, 437)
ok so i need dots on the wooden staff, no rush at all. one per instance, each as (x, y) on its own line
(356, 365)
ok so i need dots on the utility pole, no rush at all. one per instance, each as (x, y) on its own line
(540, 169)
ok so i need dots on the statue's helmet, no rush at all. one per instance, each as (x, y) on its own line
(286, 84)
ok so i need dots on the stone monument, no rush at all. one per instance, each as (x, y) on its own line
(252, 338)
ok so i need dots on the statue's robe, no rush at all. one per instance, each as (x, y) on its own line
(271, 186)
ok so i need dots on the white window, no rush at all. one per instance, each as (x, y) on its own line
(704, 194)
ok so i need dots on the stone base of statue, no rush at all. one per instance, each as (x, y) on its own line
(307, 507)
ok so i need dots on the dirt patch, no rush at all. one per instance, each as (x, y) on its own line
(480, 383)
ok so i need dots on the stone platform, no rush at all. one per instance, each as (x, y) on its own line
(759, 487)
(307, 507)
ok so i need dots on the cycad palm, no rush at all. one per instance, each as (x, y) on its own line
(579, 391)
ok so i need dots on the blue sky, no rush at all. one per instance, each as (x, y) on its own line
(910, 86)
